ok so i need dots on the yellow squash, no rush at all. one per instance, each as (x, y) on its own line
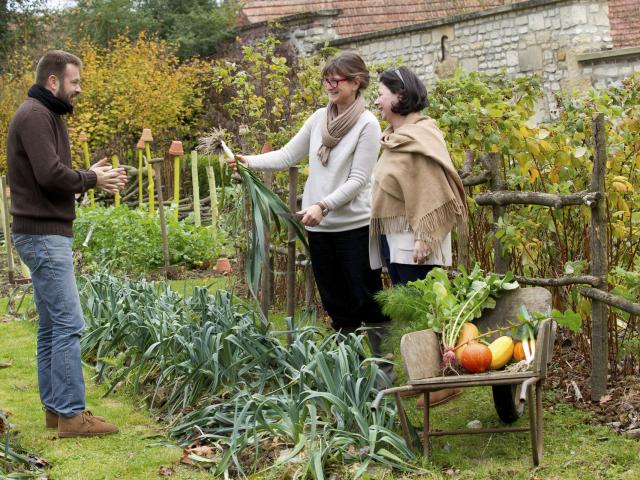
(501, 352)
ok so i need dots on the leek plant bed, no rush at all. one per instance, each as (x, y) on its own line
(220, 377)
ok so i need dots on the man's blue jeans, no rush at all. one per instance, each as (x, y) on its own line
(60, 380)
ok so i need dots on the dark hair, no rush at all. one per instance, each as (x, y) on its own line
(412, 94)
(348, 65)
(55, 62)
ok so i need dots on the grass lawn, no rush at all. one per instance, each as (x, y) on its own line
(573, 449)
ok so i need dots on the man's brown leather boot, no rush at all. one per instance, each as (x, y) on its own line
(51, 418)
(84, 425)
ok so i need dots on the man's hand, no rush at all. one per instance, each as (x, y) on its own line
(109, 179)
(311, 216)
(420, 252)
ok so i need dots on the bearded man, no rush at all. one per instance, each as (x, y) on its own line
(43, 187)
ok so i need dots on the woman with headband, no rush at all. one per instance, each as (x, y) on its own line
(417, 194)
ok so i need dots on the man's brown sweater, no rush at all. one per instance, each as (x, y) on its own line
(41, 179)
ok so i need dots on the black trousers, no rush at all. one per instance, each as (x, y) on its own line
(346, 283)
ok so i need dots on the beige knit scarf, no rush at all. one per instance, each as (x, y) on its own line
(416, 185)
(338, 125)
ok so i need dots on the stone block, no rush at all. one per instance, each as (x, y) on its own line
(530, 59)
(425, 38)
(550, 68)
(543, 37)
(415, 40)
(579, 14)
(469, 64)
(561, 55)
(439, 32)
(536, 21)
(447, 68)
(512, 58)
(594, 8)
(601, 19)
(521, 20)
(523, 30)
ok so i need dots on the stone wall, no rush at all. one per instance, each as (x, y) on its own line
(536, 37)
(568, 43)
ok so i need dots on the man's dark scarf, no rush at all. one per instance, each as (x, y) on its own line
(49, 100)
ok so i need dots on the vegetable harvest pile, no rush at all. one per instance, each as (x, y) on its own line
(449, 307)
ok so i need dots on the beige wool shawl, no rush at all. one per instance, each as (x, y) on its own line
(416, 186)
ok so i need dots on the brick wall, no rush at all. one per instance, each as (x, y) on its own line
(624, 16)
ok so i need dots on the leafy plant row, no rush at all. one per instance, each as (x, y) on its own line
(223, 379)
(130, 240)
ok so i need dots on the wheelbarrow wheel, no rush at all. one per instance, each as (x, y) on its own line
(506, 399)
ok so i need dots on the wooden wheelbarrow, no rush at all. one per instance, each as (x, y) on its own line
(511, 390)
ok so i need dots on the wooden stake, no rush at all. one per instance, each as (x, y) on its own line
(211, 177)
(599, 262)
(196, 187)
(501, 262)
(291, 251)
(6, 228)
(140, 189)
(157, 165)
(87, 165)
(150, 182)
(115, 163)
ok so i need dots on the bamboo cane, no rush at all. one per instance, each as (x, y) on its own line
(212, 193)
(87, 164)
(140, 148)
(196, 187)
(148, 138)
(115, 163)
(176, 151)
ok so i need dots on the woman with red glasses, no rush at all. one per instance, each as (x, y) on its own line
(342, 141)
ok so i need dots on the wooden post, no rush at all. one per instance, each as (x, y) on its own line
(599, 262)
(6, 229)
(308, 286)
(463, 240)
(265, 281)
(115, 163)
(196, 187)
(291, 251)
(492, 162)
(157, 165)
(87, 164)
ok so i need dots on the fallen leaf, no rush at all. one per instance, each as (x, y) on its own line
(604, 399)
(166, 471)
(5, 364)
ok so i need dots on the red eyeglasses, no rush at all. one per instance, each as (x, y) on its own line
(332, 82)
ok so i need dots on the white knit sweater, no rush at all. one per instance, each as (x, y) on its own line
(344, 184)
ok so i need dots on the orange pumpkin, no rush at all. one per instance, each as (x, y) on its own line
(476, 358)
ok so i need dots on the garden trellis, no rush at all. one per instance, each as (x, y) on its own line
(498, 198)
